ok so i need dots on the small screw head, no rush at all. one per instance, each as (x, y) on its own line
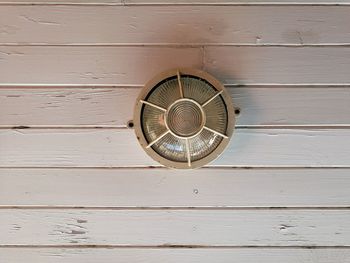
(237, 111)
(130, 124)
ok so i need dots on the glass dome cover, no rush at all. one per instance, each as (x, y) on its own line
(184, 118)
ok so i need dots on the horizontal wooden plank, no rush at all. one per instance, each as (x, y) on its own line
(233, 2)
(103, 106)
(174, 2)
(99, 65)
(105, 148)
(279, 65)
(69, 106)
(138, 255)
(63, 2)
(187, 227)
(170, 188)
(180, 24)
(136, 65)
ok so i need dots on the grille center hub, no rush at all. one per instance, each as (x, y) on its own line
(185, 118)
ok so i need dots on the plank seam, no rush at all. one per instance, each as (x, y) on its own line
(133, 86)
(127, 4)
(157, 168)
(177, 45)
(177, 208)
(124, 127)
(212, 167)
(172, 246)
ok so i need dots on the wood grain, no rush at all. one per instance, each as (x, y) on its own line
(106, 148)
(186, 227)
(243, 255)
(179, 24)
(136, 65)
(171, 188)
(112, 106)
(85, 194)
(279, 64)
(109, 65)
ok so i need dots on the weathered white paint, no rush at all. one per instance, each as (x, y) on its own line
(103, 106)
(171, 188)
(175, 227)
(175, 24)
(234, 2)
(279, 64)
(115, 147)
(136, 65)
(110, 65)
(139, 255)
(174, 2)
(110, 43)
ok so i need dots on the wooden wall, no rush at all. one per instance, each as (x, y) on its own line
(75, 186)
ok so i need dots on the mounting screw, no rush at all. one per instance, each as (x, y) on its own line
(130, 124)
(237, 111)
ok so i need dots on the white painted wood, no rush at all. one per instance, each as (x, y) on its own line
(118, 45)
(174, 2)
(136, 65)
(113, 147)
(179, 227)
(279, 64)
(171, 188)
(67, 106)
(137, 255)
(235, 2)
(110, 65)
(175, 24)
(61, 2)
(103, 106)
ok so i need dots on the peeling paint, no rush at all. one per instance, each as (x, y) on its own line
(40, 21)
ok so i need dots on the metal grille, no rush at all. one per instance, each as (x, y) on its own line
(183, 119)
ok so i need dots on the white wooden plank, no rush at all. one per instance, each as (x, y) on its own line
(136, 65)
(62, 2)
(137, 255)
(69, 106)
(279, 65)
(175, 227)
(234, 2)
(179, 24)
(101, 148)
(174, 2)
(103, 106)
(170, 188)
(110, 65)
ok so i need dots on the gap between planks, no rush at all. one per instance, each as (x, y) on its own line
(167, 246)
(124, 127)
(136, 86)
(212, 167)
(152, 167)
(175, 208)
(173, 45)
(183, 3)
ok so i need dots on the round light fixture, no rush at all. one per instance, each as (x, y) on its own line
(184, 118)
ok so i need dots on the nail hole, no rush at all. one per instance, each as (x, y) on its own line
(130, 124)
